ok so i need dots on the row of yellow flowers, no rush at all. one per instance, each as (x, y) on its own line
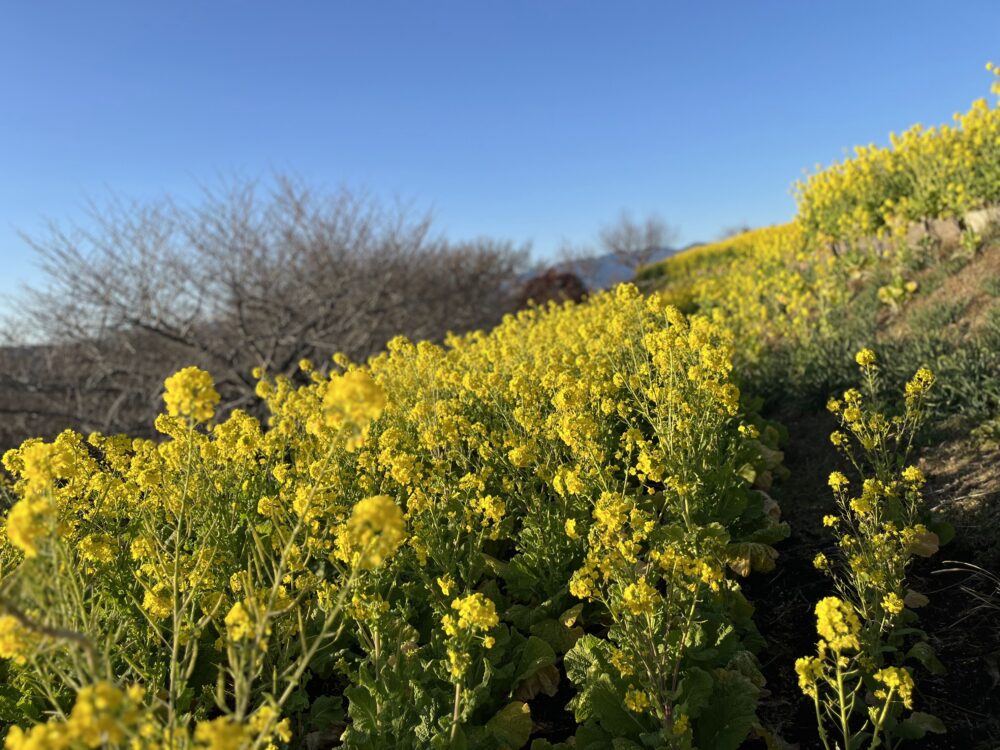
(935, 172)
(405, 553)
(785, 285)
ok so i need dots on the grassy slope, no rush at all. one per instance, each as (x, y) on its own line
(952, 324)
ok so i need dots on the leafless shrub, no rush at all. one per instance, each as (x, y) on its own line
(246, 278)
(635, 243)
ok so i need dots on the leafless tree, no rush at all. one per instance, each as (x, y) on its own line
(247, 277)
(635, 243)
(581, 259)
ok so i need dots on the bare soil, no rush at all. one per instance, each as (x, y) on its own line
(964, 489)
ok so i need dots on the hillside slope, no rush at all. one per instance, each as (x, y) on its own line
(799, 312)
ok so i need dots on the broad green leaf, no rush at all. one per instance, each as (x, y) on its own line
(925, 654)
(361, 708)
(918, 724)
(557, 635)
(325, 711)
(571, 615)
(695, 690)
(771, 534)
(589, 736)
(545, 680)
(511, 726)
(536, 655)
(612, 714)
(915, 600)
(730, 714)
(925, 544)
(743, 557)
(944, 530)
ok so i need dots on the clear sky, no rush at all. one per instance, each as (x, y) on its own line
(535, 121)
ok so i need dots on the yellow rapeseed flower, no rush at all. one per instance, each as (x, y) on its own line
(475, 612)
(898, 680)
(239, 623)
(191, 393)
(372, 533)
(809, 670)
(838, 624)
(639, 598)
(865, 358)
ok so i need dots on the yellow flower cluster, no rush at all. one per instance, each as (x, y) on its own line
(570, 448)
(103, 716)
(838, 624)
(373, 532)
(350, 403)
(225, 733)
(15, 640)
(240, 622)
(639, 598)
(810, 671)
(878, 532)
(896, 680)
(191, 393)
(924, 173)
(637, 700)
(475, 612)
(788, 287)
(769, 286)
(39, 465)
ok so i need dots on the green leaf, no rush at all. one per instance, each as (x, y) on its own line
(571, 615)
(611, 712)
(730, 714)
(523, 616)
(620, 743)
(586, 665)
(748, 472)
(918, 724)
(771, 534)
(536, 655)
(325, 711)
(511, 726)
(915, 600)
(498, 567)
(695, 690)
(925, 654)
(589, 736)
(583, 660)
(444, 741)
(361, 708)
(655, 740)
(743, 557)
(925, 544)
(546, 745)
(747, 665)
(557, 635)
(944, 530)
(772, 739)
(545, 680)
(536, 671)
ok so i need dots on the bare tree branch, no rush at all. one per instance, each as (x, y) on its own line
(636, 243)
(243, 278)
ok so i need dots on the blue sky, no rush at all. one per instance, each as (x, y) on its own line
(535, 121)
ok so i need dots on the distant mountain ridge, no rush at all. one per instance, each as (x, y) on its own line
(605, 271)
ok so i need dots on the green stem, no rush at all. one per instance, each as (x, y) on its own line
(454, 713)
(819, 719)
(842, 700)
(876, 740)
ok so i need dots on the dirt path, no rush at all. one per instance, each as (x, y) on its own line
(965, 489)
